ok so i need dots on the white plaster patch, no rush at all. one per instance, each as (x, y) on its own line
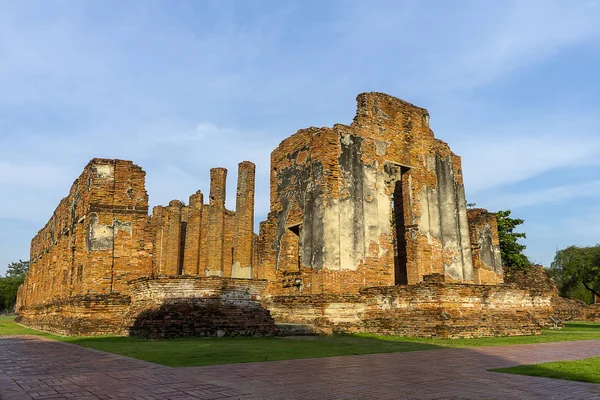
(104, 170)
(346, 139)
(237, 271)
(380, 148)
(351, 247)
(431, 163)
(429, 220)
(331, 236)
(384, 210)
(371, 209)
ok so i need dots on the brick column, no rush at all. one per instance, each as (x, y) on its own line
(173, 230)
(244, 220)
(191, 262)
(159, 217)
(216, 219)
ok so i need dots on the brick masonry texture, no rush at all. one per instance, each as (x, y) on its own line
(538, 283)
(178, 306)
(485, 246)
(432, 308)
(368, 231)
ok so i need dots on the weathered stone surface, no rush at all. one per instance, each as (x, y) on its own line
(378, 202)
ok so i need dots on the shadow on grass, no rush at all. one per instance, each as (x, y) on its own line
(586, 326)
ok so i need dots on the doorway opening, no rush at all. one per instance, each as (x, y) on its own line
(296, 230)
(399, 229)
(181, 258)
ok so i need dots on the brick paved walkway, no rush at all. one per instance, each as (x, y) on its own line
(32, 367)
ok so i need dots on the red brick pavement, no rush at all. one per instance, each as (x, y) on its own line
(36, 368)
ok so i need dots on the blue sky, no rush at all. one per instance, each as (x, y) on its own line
(183, 86)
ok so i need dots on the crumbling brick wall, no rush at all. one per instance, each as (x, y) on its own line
(207, 239)
(375, 203)
(97, 239)
(485, 246)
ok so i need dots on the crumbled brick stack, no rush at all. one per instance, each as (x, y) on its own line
(485, 246)
(168, 307)
(538, 282)
(534, 278)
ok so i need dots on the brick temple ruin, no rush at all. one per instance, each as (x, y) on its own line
(368, 231)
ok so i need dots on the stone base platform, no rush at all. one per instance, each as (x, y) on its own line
(429, 309)
(162, 307)
(80, 315)
(176, 306)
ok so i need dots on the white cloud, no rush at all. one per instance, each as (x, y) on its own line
(527, 148)
(31, 176)
(548, 195)
(522, 35)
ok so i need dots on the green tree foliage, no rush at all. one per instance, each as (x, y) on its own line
(9, 284)
(510, 248)
(576, 271)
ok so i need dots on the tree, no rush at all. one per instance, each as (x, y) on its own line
(9, 284)
(511, 250)
(575, 268)
(17, 269)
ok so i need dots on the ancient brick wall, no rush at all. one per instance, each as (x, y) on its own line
(485, 246)
(431, 308)
(207, 239)
(97, 239)
(534, 278)
(378, 202)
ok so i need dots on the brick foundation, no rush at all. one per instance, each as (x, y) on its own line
(168, 307)
(80, 315)
(427, 309)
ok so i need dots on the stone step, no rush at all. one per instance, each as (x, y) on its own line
(287, 329)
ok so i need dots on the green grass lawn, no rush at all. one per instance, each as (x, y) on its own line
(211, 351)
(587, 370)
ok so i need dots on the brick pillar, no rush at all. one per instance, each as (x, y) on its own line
(173, 232)
(191, 262)
(160, 237)
(244, 221)
(216, 221)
